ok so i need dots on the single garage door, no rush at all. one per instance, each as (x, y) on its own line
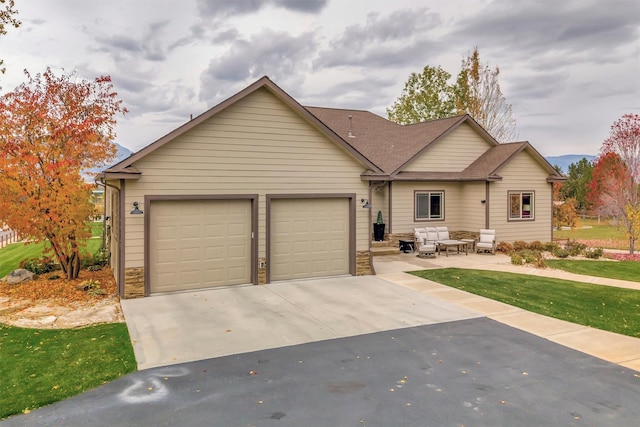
(199, 244)
(309, 238)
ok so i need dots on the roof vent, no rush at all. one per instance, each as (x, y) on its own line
(350, 132)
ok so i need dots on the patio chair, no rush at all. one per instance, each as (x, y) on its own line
(487, 242)
(424, 240)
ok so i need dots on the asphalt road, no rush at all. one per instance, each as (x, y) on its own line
(474, 372)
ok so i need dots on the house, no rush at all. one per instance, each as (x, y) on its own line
(261, 189)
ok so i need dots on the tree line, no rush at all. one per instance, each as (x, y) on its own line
(610, 185)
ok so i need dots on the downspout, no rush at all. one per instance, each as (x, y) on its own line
(120, 271)
(104, 217)
(390, 209)
(370, 232)
(121, 242)
(487, 222)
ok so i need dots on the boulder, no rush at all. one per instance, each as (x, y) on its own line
(18, 276)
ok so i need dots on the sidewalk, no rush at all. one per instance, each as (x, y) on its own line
(609, 346)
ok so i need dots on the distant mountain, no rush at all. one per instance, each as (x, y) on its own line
(121, 154)
(566, 160)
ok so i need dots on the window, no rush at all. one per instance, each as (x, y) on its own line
(429, 205)
(521, 205)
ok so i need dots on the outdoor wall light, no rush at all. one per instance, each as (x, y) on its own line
(365, 203)
(136, 210)
(483, 201)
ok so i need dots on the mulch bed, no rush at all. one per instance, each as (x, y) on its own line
(46, 289)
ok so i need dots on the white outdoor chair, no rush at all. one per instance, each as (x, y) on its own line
(424, 241)
(487, 242)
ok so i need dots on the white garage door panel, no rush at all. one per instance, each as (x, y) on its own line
(199, 244)
(309, 238)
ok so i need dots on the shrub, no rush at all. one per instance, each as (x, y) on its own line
(550, 246)
(536, 245)
(594, 253)
(94, 262)
(565, 215)
(38, 265)
(540, 262)
(504, 247)
(529, 256)
(560, 252)
(92, 287)
(575, 248)
(516, 258)
(519, 245)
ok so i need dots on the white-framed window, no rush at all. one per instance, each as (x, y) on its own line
(521, 205)
(429, 205)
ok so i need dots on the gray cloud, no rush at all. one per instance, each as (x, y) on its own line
(526, 30)
(223, 8)
(398, 39)
(281, 56)
(353, 94)
(546, 84)
(150, 46)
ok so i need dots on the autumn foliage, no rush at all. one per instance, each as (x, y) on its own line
(51, 129)
(615, 186)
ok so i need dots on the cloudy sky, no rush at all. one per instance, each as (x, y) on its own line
(570, 68)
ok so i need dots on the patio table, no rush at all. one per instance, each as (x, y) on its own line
(459, 244)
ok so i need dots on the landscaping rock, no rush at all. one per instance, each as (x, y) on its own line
(41, 322)
(90, 315)
(18, 276)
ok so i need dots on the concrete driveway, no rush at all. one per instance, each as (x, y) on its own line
(177, 328)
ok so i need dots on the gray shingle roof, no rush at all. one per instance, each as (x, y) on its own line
(387, 144)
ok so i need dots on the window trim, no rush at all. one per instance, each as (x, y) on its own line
(417, 193)
(532, 203)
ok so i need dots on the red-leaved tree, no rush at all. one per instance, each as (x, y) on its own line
(52, 128)
(615, 187)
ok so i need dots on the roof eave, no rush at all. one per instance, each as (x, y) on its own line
(554, 178)
(120, 175)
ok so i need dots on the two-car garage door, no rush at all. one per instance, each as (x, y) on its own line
(197, 244)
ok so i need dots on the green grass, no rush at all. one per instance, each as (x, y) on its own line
(599, 231)
(41, 366)
(13, 254)
(622, 270)
(603, 307)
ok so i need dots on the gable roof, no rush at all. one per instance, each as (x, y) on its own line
(386, 143)
(124, 169)
(381, 145)
(485, 167)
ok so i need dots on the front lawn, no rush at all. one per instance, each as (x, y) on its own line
(603, 307)
(598, 234)
(13, 254)
(41, 366)
(622, 270)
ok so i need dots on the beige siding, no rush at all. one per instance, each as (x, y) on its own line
(453, 153)
(522, 173)
(380, 202)
(256, 146)
(403, 206)
(462, 203)
(473, 211)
